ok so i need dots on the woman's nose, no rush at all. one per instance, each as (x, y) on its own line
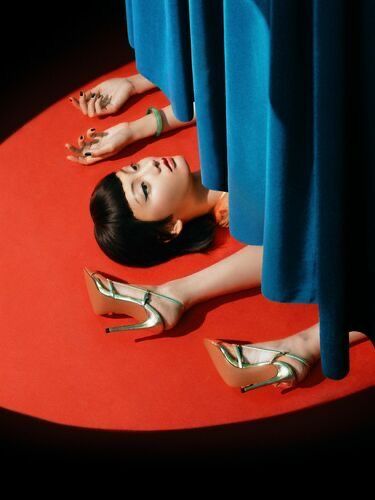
(150, 166)
(154, 164)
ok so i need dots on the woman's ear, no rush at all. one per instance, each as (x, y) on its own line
(176, 229)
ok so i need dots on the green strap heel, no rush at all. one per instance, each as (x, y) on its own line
(99, 294)
(233, 367)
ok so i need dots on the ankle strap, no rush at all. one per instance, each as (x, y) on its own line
(286, 353)
(165, 296)
(147, 295)
(298, 358)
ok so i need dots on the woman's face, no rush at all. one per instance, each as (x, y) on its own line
(156, 187)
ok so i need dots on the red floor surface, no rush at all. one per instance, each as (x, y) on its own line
(58, 365)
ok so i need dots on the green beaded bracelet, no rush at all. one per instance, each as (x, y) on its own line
(159, 120)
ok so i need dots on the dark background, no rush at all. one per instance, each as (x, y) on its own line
(317, 439)
(47, 51)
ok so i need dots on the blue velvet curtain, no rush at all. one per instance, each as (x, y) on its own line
(284, 98)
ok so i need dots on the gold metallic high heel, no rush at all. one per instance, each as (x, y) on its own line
(106, 301)
(236, 372)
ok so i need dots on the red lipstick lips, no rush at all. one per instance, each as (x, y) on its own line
(166, 163)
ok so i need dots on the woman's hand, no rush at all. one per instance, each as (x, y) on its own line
(104, 99)
(100, 145)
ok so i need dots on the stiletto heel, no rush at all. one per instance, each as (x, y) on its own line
(105, 301)
(236, 372)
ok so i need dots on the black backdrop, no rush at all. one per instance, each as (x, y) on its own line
(49, 49)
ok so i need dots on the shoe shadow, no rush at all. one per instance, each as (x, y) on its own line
(193, 319)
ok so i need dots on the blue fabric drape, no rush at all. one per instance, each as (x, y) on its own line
(284, 99)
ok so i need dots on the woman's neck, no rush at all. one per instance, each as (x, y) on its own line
(204, 195)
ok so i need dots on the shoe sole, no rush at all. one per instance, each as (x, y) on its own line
(102, 304)
(238, 377)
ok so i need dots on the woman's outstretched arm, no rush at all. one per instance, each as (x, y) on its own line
(100, 145)
(146, 125)
(140, 83)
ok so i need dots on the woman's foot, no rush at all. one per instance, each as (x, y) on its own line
(169, 310)
(295, 344)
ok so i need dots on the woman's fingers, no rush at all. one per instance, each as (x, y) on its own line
(82, 102)
(107, 99)
(89, 148)
(98, 109)
(73, 149)
(104, 150)
(81, 141)
(75, 102)
(101, 105)
(91, 105)
(92, 137)
(93, 142)
(91, 133)
(83, 160)
(81, 144)
(74, 158)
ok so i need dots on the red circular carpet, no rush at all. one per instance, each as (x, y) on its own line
(58, 365)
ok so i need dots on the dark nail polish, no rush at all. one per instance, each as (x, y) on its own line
(87, 154)
(93, 95)
(70, 99)
(81, 137)
(81, 93)
(92, 129)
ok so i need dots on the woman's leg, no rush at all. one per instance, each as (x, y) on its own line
(239, 271)
(305, 343)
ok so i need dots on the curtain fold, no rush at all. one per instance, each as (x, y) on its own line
(284, 99)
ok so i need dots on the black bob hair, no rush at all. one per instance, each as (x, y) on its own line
(134, 242)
